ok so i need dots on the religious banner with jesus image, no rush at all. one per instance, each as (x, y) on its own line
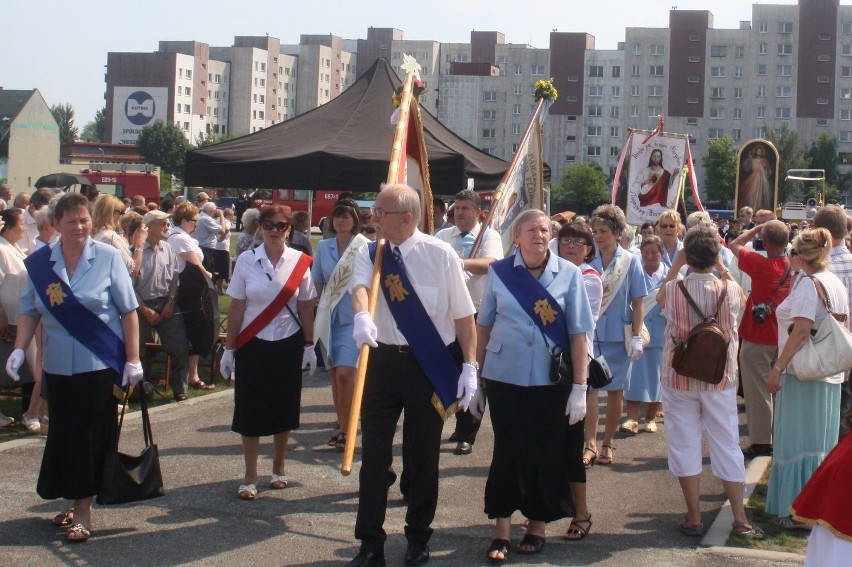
(655, 169)
(757, 178)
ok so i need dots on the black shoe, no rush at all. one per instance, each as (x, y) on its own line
(463, 448)
(416, 554)
(180, 397)
(454, 438)
(368, 559)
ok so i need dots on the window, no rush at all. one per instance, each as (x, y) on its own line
(825, 37)
(846, 72)
(187, 91)
(761, 91)
(614, 111)
(822, 123)
(593, 131)
(595, 110)
(823, 57)
(761, 70)
(761, 112)
(636, 72)
(736, 134)
(846, 49)
(177, 110)
(822, 101)
(519, 89)
(694, 38)
(489, 96)
(762, 27)
(715, 133)
(634, 90)
(692, 79)
(785, 27)
(516, 109)
(573, 78)
(692, 121)
(738, 114)
(537, 69)
(596, 90)
(656, 71)
(759, 132)
(655, 90)
(782, 113)
(846, 93)
(501, 59)
(738, 72)
(783, 92)
(846, 114)
(570, 138)
(717, 92)
(571, 98)
(717, 71)
(613, 151)
(717, 113)
(846, 136)
(570, 158)
(260, 114)
(519, 69)
(516, 129)
(738, 92)
(613, 131)
(488, 132)
(785, 49)
(514, 149)
(785, 70)
(847, 28)
(694, 59)
(692, 100)
(596, 71)
(654, 111)
(763, 49)
(616, 91)
(718, 50)
(637, 49)
(616, 71)
(634, 112)
(489, 114)
(658, 50)
(593, 151)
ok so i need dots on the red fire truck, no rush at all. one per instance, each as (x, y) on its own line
(123, 180)
(297, 199)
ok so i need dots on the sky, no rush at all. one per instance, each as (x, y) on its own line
(61, 48)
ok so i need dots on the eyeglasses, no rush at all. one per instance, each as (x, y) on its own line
(574, 242)
(379, 212)
(667, 226)
(279, 226)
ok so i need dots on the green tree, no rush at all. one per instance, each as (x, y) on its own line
(64, 116)
(823, 155)
(209, 139)
(165, 146)
(791, 156)
(584, 184)
(815, 189)
(94, 131)
(720, 169)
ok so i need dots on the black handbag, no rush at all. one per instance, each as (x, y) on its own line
(561, 371)
(599, 373)
(128, 478)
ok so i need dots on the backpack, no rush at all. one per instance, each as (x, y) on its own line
(704, 353)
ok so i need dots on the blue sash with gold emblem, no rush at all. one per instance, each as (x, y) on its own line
(83, 325)
(433, 356)
(534, 299)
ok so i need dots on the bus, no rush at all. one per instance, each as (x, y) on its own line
(297, 199)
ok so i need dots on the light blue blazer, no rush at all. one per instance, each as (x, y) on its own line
(611, 323)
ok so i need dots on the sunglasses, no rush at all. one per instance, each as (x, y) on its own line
(667, 226)
(279, 226)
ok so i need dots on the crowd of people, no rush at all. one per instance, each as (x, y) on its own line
(458, 325)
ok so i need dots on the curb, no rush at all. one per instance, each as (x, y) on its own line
(715, 538)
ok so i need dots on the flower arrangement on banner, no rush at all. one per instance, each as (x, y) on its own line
(545, 89)
(417, 89)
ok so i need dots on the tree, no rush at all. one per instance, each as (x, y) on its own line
(165, 146)
(583, 184)
(830, 194)
(64, 116)
(720, 167)
(823, 155)
(202, 141)
(791, 156)
(94, 130)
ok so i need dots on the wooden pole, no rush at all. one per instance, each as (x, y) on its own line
(373, 294)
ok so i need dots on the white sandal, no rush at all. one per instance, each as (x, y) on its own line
(247, 492)
(278, 482)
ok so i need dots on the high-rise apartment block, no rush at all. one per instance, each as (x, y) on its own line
(790, 64)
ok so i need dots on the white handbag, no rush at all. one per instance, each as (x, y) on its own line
(829, 350)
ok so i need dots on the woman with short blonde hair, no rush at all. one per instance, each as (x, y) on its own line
(105, 217)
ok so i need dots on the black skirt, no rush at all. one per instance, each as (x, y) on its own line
(268, 386)
(198, 302)
(82, 429)
(528, 469)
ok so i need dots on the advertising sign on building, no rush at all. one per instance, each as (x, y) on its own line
(133, 108)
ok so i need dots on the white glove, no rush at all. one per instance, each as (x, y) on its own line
(226, 364)
(16, 359)
(132, 374)
(467, 386)
(309, 359)
(576, 409)
(636, 348)
(477, 405)
(365, 330)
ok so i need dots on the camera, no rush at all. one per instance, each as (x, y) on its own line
(760, 312)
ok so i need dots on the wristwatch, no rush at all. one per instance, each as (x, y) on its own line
(472, 363)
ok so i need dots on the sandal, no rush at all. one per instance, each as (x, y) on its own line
(607, 454)
(201, 386)
(278, 482)
(335, 439)
(77, 534)
(589, 457)
(500, 546)
(788, 523)
(692, 530)
(576, 531)
(747, 531)
(64, 519)
(247, 492)
(531, 544)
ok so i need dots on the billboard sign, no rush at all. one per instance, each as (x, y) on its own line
(133, 108)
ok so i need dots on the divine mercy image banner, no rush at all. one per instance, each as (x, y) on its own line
(757, 177)
(654, 176)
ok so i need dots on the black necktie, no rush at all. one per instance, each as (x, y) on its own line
(397, 255)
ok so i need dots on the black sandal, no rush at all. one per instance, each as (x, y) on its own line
(534, 542)
(499, 546)
(589, 457)
(577, 531)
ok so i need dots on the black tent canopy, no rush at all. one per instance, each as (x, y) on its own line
(344, 144)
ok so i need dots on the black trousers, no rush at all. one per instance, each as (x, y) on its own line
(467, 426)
(396, 383)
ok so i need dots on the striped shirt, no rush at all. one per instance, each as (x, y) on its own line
(840, 264)
(681, 318)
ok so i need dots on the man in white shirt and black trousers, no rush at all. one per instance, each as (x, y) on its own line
(422, 309)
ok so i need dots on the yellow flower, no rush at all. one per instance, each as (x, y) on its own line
(546, 89)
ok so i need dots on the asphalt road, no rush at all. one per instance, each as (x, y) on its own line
(636, 504)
